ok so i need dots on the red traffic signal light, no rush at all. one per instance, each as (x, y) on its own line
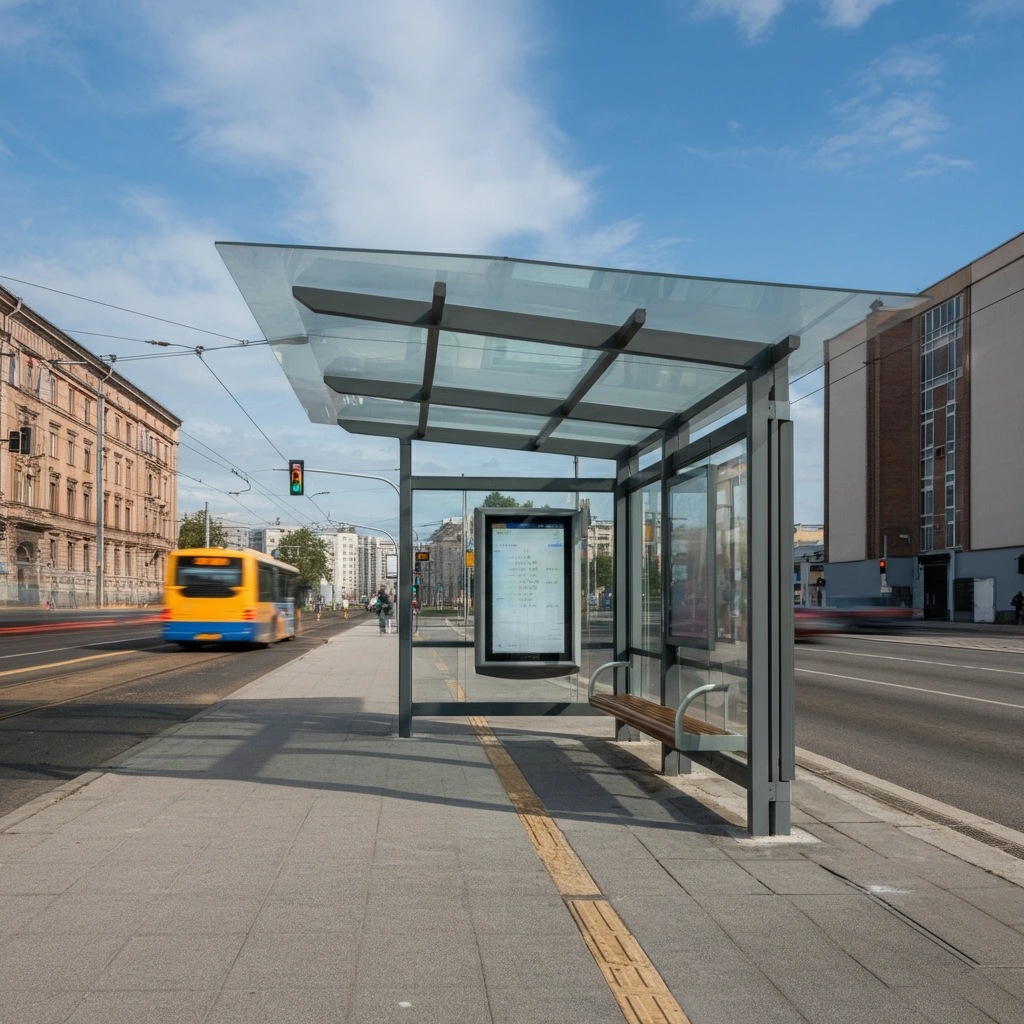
(296, 469)
(881, 566)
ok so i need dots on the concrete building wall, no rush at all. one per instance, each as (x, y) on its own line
(846, 462)
(997, 405)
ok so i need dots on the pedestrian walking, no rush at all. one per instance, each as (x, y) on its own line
(1018, 607)
(344, 608)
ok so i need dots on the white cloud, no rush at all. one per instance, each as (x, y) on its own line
(851, 13)
(392, 124)
(754, 16)
(933, 164)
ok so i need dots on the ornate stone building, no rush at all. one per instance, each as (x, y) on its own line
(48, 493)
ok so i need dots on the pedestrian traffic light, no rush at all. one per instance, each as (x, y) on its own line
(881, 567)
(296, 468)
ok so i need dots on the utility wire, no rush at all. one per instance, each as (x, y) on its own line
(228, 493)
(122, 309)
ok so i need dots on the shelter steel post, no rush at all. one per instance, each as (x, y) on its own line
(405, 562)
(770, 730)
(623, 607)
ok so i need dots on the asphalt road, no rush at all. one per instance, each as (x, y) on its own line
(947, 722)
(72, 698)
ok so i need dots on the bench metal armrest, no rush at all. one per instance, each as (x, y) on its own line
(602, 668)
(692, 741)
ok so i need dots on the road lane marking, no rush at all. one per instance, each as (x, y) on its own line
(903, 686)
(79, 647)
(634, 982)
(61, 664)
(921, 661)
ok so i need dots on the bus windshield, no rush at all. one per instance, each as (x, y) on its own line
(208, 575)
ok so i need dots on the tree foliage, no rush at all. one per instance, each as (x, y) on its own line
(192, 531)
(498, 500)
(309, 554)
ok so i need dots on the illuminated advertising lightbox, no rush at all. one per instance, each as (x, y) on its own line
(527, 587)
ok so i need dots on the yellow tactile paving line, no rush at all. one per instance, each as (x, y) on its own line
(642, 995)
(635, 983)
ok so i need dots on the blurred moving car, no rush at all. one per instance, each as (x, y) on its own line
(851, 615)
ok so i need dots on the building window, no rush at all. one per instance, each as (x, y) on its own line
(127, 474)
(71, 451)
(106, 508)
(85, 557)
(51, 389)
(19, 485)
(128, 517)
(117, 561)
(71, 556)
(117, 471)
(71, 401)
(71, 501)
(53, 445)
(12, 370)
(87, 459)
(149, 483)
(87, 416)
(27, 489)
(117, 515)
(128, 438)
(127, 563)
(53, 495)
(87, 505)
(53, 553)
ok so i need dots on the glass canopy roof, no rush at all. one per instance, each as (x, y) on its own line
(520, 354)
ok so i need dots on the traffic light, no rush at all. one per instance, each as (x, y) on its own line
(296, 468)
(881, 567)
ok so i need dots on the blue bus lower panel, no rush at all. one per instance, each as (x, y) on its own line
(200, 631)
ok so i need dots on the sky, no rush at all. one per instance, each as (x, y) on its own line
(870, 144)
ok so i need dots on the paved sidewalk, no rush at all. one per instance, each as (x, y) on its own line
(284, 857)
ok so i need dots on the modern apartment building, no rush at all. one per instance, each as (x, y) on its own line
(924, 447)
(49, 386)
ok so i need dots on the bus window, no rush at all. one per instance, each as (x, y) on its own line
(207, 576)
(266, 582)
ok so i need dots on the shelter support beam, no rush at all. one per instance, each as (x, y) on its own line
(626, 333)
(622, 623)
(430, 356)
(771, 754)
(404, 587)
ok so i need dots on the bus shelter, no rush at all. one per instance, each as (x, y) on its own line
(680, 385)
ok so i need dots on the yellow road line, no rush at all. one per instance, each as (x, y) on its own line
(61, 664)
(637, 987)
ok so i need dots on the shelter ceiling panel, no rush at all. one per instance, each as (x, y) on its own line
(510, 365)
(647, 382)
(485, 420)
(385, 410)
(604, 433)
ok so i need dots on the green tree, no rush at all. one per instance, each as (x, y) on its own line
(498, 500)
(309, 554)
(192, 531)
(604, 570)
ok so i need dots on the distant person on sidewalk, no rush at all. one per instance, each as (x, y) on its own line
(344, 608)
(1018, 607)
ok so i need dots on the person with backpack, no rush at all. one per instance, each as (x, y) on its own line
(383, 611)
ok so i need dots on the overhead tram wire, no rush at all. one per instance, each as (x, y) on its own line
(263, 491)
(228, 493)
(122, 309)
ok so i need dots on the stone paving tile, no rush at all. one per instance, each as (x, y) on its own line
(184, 913)
(54, 963)
(297, 960)
(23, 878)
(426, 959)
(37, 1006)
(91, 913)
(519, 961)
(419, 1005)
(594, 1005)
(963, 926)
(18, 912)
(281, 1006)
(1005, 903)
(718, 877)
(792, 877)
(174, 1007)
(182, 961)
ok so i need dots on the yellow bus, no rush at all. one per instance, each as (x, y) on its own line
(217, 595)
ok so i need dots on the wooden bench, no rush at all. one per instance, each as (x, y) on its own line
(670, 726)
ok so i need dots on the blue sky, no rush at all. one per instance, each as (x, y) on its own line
(859, 143)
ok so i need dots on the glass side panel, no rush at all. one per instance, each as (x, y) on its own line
(690, 598)
(509, 365)
(457, 418)
(723, 658)
(651, 383)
